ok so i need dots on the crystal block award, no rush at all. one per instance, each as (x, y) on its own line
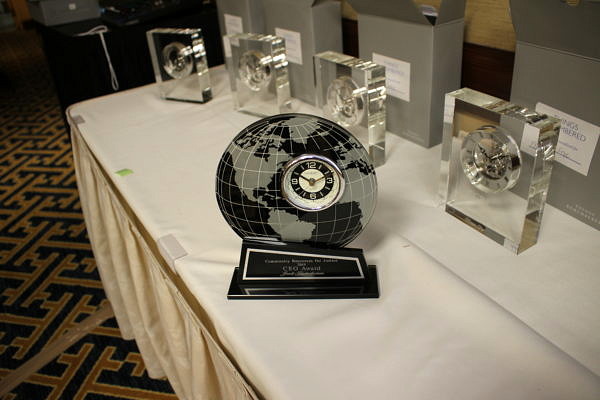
(297, 188)
(351, 92)
(258, 73)
(179, 62)
(496, 163)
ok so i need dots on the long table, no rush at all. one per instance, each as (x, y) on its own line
(459, 316)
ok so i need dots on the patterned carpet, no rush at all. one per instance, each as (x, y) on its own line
(48, 277)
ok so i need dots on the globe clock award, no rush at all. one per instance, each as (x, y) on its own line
(297, 188)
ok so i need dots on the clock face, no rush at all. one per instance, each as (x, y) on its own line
(312, 182)
(255, 70)
(177, 60)
(491, 159)
(345, 102)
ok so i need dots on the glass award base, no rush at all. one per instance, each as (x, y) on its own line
(275, 270)
(258, 74)
(179, 63)
(496, 163)
(351, 92)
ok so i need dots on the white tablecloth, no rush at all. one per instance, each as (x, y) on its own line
(459, 316)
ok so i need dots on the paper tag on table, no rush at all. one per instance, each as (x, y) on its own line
(233, 24)
(293, 44)
(397, 76)
(171, 250)
(576, 142)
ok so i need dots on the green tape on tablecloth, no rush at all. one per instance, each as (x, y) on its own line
(124, 172)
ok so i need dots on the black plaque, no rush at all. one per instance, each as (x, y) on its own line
(288, 270)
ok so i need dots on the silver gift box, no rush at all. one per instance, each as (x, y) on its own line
(308, 27)
(560, 68)
(422, 59)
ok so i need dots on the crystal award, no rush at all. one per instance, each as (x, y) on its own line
(351, 92)
(179, 62)
(258, 73)
(496, 164)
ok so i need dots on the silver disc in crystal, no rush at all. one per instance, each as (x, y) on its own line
(177, 60)
(345, 102)
(491, 159)
(255, 70)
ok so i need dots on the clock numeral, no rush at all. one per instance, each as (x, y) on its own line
(312, 164)
(329, 180)
(313, 196)
(294, 181)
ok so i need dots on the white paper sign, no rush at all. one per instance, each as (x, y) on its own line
(449, 109)
(293, 45)
(226, 46)
(529, 140)
(576, 142)
(233, 24)
(397, 76)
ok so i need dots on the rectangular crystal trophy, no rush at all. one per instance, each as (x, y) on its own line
(496, 163)
(351, 92)
(179, 62)
(258, 73)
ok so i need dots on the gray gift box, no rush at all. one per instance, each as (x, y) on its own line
(557, 63)
(57, 12)
(423, 59)
(237, 16)
(308, 27)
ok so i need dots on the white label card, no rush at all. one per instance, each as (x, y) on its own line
(233, 24)
(576, 142)
(293, 45)
(449, 109)
(529, 140)
(397, 76)
(226, 46)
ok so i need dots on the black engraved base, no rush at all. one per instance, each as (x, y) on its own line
(368, 289)
(295, 271)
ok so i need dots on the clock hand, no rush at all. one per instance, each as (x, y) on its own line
(311, 181)
(497, 156)
(482, 150)
(305, 178)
